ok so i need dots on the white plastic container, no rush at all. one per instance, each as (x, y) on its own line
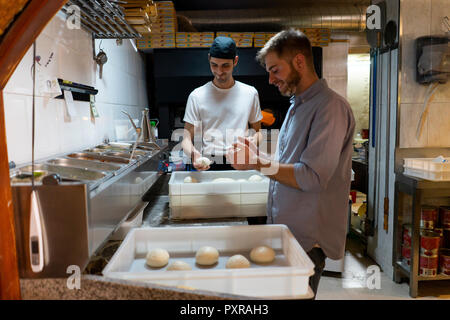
(425, 168)
(208, 199)
(285, 278)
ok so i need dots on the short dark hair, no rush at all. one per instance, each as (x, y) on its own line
(286, 44)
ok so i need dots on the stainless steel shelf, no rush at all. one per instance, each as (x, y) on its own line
(103, 18)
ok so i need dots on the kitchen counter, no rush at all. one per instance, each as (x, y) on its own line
(95, 286)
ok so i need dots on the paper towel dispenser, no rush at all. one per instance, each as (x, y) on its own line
(433, 59)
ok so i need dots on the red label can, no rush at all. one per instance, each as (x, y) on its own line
(429, 243)
(444, 217)
(444, 262)
(428, 217)
(407, 235)
(428, 266)
(440, 232)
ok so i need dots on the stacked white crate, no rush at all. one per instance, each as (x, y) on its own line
(208, 199)
(428, 168)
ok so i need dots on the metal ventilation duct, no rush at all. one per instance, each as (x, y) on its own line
(336, 18)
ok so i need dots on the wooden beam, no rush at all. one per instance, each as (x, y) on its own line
(13, 46)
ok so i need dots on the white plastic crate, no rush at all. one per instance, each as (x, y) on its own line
(287, 277)
(425, 168)
(207, 199)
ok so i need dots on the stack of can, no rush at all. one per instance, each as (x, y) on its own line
(434, 241)
(406, 244)
(444, 259)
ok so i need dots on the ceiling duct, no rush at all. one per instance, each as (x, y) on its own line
(337, 18)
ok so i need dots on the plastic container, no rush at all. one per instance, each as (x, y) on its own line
(425, 168)
(286, 277)
(208, 199)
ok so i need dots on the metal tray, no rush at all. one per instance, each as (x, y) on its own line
(85, 164)
(97, 156)
(66, 172)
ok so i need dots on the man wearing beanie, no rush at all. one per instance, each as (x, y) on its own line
(220, 111)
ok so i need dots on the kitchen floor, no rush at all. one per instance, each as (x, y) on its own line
(351, 284)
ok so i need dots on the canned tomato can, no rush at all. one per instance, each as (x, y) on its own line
(444, 262)
(428, 266)
(428, 217)
(406, 254)
(444, 217)
(429, 243)
(407, 235)
(440, 232)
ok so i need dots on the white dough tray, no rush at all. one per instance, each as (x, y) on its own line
(209, 199)
(286, 277)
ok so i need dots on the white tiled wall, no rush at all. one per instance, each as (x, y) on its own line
(421, 18)
(334, 68)
(122, 87)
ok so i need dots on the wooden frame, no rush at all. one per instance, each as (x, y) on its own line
(14, 44)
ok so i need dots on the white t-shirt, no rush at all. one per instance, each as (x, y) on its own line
(221, 115)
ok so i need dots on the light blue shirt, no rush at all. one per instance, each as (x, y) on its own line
(316, 137)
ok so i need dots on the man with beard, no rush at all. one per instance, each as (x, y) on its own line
(220, 111)
(310, 185)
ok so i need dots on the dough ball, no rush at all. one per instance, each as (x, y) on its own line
(179, 265)
(203, 161)
(157, 258)
(255, 178)
(138, 180)
(262, 254)
(242, 180)
(223, 180)
(190, 179)
(237, 261)
(207, 256)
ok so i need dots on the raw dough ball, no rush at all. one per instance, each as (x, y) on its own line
(179, 265)
(255, 178)
(203, 161)
(223, 180)
(138, 180)
(157, 258)
(189, 179)
(262, 254)
(207, 256)
(242, 180)
(237, 261)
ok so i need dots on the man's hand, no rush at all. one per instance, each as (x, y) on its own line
(199, 165)
(243, 155)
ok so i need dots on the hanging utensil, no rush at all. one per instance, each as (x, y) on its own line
(101, 59)
(390, 35)
(36, 245)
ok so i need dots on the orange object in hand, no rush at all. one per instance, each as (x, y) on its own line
(268, 118)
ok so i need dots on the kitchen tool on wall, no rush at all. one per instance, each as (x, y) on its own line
(36, 236)
(101, 58)
(390, 36)
(374, 38)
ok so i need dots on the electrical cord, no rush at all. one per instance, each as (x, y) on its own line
(428, 95)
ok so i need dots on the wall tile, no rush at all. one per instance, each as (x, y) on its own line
(439, 9)
(416, 17)
(409, 118)
(438, 120)
(120, 89)
(21, 81)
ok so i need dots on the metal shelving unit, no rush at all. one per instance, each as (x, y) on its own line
(105, 19)
(410, 194)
